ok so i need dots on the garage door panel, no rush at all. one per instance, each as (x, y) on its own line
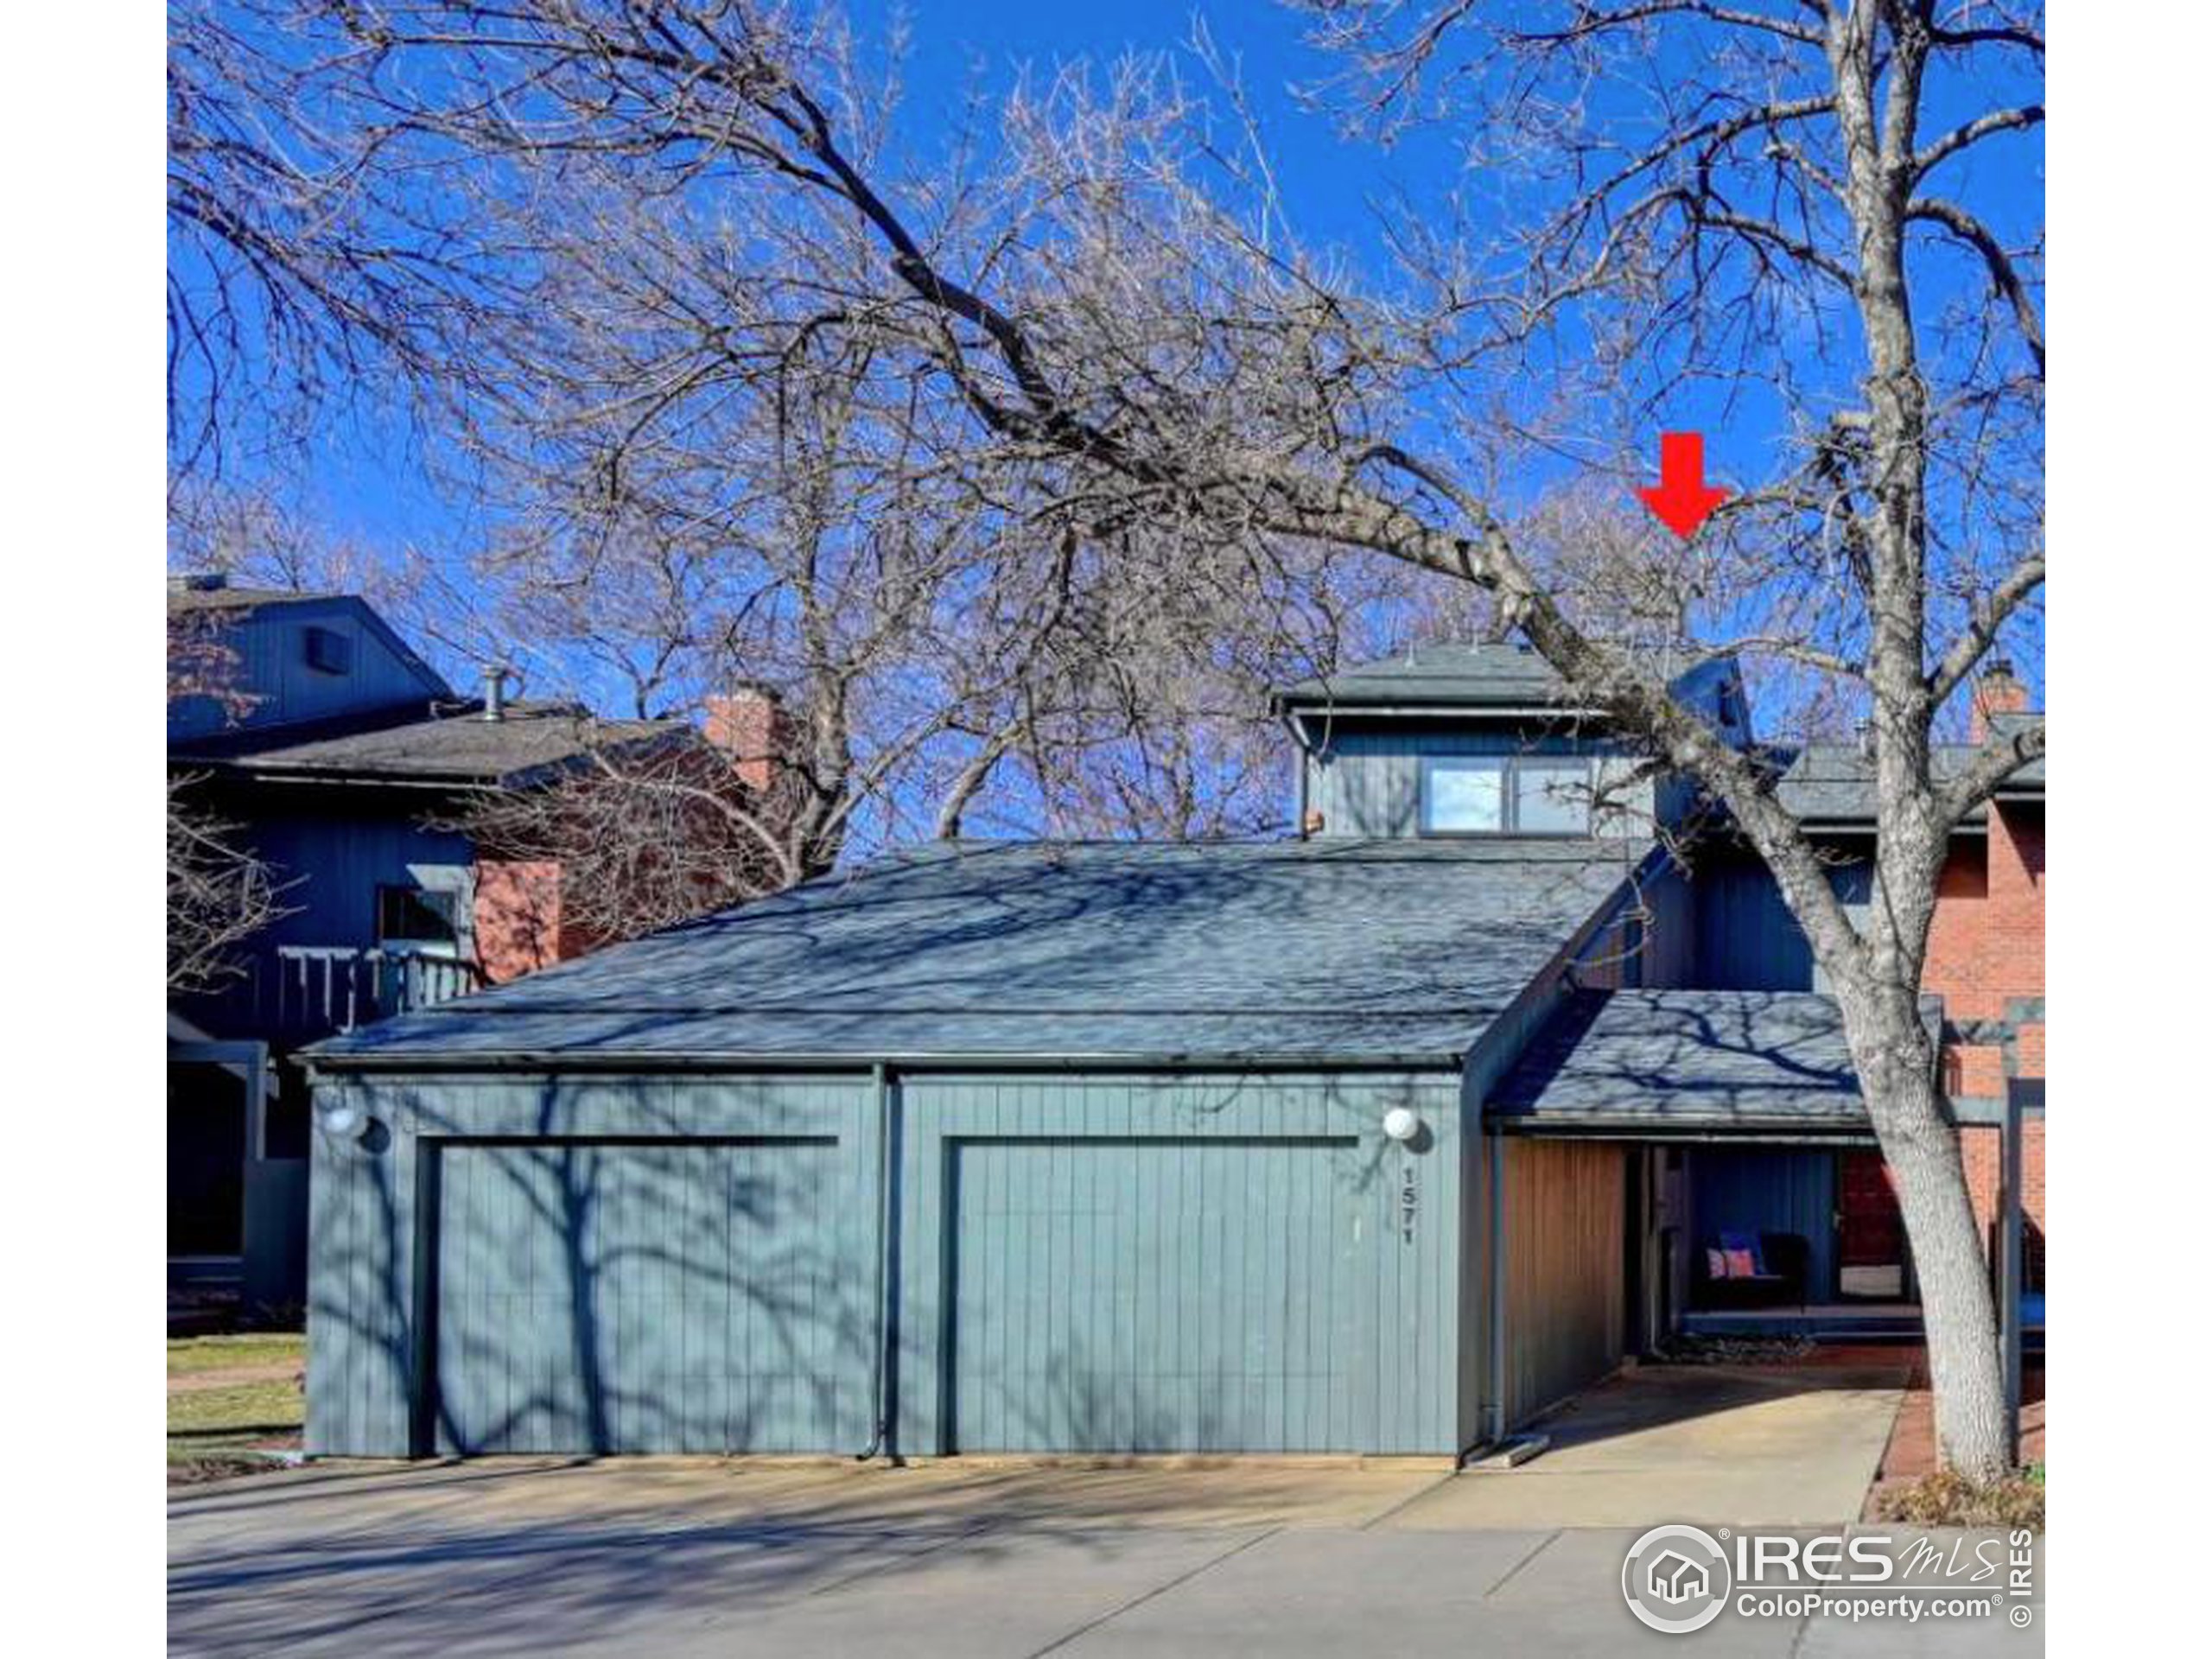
(677, 1296)
(1157, 1295)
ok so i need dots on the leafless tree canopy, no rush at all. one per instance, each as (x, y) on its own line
(220, 892)
(1066, 402)
(219, 895)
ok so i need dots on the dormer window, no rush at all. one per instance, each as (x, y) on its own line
(1505, 795)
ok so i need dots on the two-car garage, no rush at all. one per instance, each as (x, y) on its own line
(1166, 1263)
(1036, 1148)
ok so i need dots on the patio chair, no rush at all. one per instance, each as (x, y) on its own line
(1777, 1280)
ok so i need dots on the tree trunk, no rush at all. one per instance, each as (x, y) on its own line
(1896, 1078)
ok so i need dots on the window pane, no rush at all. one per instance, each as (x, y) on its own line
(1552, 800)
(416, 916)
(1463, 795)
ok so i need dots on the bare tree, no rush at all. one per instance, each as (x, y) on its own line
(644, 835)
(716, 453)
(219, 894)
(1105, 325)
(292, 284)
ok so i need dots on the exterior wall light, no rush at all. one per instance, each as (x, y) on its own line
(342, 1119)
(1401, 1123)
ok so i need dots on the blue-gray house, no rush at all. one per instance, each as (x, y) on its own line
(1378, 1141)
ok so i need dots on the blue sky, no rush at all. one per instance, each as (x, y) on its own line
(367, 485)
(1330, 185)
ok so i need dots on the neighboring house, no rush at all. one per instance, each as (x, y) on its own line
(338, 754)
(1384, 1140)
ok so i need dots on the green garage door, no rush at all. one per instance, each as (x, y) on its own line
(652, 1296)
(1142, 1295)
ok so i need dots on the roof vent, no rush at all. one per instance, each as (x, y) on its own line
(496, 676)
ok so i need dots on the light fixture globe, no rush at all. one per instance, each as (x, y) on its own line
(1401, 1123)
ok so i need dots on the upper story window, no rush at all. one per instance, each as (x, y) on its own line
(417, 916)
(1505, 795)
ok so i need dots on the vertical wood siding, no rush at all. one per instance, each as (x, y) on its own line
(1564, 1269)
(1177, 1264)
(584, 1282)
(1085, 1263)
(270, 663)
(1767, 1190)
(1747, 939)
(665, 1297)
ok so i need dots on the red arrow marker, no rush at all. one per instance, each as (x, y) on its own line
(1683, 500)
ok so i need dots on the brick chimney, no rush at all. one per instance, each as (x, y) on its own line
(1997, 692)
(750, 725)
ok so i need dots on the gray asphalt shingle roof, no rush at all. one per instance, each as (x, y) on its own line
(455, 748)
(1446, 676)
(1834, 783)
(1344, 951)
(184, 597)
(1655, 1060)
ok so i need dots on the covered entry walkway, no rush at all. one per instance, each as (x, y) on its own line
(1784, 1445)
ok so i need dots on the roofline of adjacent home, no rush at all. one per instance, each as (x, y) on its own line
(356, 777)
(249, 767)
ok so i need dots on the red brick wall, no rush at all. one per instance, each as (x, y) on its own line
(750, 726)
(1984, 952)
(517, 917)
(1984, 1151)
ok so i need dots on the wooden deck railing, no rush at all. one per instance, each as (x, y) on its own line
(311, 991)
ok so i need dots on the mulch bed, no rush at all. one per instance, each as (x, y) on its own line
(1910, 1454)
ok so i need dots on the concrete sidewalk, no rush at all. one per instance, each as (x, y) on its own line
(656, 1559)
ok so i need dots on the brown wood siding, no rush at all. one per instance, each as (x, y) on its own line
(1564, 1205)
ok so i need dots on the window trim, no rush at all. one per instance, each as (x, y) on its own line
(1510, 769)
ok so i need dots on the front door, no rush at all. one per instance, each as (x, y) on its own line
(1869, 1230)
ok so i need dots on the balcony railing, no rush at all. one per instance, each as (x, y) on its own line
(299, 994)
(329, 988)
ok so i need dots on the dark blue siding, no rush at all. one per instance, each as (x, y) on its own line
(1775, 1189)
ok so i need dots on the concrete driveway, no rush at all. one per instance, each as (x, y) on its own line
(682, 1556)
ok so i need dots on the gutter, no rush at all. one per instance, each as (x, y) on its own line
(600, 1061)
(1647, 1132)
(1447, 710)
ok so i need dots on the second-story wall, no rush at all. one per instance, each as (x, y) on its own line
(1364, 777)
(299, 661)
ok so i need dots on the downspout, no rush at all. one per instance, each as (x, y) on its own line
(2010, 1267)
(886, 1264)
(1296, 728)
